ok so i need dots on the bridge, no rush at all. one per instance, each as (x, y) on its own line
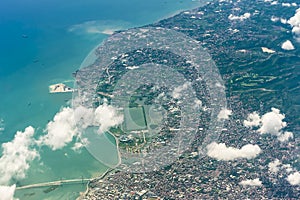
(55, 183)
(65, 182)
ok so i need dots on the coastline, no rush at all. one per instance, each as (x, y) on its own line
(40, 101)
(89, 192)
(169, 175)
(82, 195)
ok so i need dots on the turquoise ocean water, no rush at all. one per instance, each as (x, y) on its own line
(42, 43)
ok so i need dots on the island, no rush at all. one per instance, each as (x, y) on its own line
(60, 88)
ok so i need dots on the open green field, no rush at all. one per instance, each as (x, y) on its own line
(134, 119)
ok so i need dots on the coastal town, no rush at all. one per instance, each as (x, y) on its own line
(240, 46)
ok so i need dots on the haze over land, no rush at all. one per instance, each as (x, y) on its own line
(256, 49)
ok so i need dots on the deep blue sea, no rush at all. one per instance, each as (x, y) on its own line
(42, 43)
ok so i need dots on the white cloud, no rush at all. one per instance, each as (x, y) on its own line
(176, 93)
(224, 114)
(69, 122)
(251, 182)
(294, 178)
(296, 30)
(286, 4)
(253, 119)
(107, 116)
(61, 130)
(16, 156)
(240, 18)
(272, 122)
(274, 3)
(222, 152)
(83, 116)
(7, 192)
(197, 104)
(274, 19)
(285, 136)
(287, 45)
(288, 168)
(283, 21)
(295, 23)
(82, 143)
(267, 50)
(274, 166)
(2, 125)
